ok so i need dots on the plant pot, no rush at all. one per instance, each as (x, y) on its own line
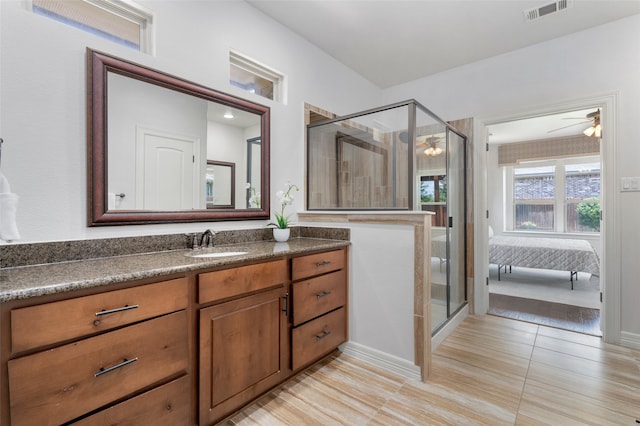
(281, 235)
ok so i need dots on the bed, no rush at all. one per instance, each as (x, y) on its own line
(544, 253)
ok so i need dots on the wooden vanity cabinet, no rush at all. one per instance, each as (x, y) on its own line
(140, 352)
(73, 358)
(319, 299)
(243, 344)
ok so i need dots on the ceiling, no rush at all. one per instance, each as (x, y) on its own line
(541, 127)
(390, 42)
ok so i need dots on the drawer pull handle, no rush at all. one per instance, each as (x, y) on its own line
(113, 311)
(323, 294)
(323, 263)
(323, 335)
(286, 305)
(114, 367)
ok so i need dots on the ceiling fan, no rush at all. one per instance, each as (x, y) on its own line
(592, 118)
(430, 145)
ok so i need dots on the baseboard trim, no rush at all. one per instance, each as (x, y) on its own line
(382, 359)
(631, 340)
(448, 328)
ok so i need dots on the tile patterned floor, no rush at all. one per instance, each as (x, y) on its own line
(559, 315)
(490, 371)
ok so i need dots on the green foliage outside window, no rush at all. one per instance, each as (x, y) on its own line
(589, 213)
(426, 198)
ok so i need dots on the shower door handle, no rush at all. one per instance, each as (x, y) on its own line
(450, 221)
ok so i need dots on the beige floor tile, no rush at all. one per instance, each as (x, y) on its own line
(490, 371)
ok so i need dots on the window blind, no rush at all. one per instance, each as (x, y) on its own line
(569, 146)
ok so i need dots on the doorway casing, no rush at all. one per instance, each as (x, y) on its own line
(610, 230)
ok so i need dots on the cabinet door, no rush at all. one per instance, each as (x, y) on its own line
(243, 351)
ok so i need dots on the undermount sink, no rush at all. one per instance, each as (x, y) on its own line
(214, 254)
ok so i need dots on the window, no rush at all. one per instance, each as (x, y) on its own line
(534, 198)
(120, 21)
(433, 197)
(582, 197)
(253, 77)
(555, 195)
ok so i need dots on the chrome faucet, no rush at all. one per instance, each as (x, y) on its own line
(207, 238)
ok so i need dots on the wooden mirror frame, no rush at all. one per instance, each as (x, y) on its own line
(232, 185)
(98, 66)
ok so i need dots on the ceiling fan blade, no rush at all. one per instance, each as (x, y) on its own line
(570, 125)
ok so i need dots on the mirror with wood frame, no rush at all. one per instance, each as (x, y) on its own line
(153, 139)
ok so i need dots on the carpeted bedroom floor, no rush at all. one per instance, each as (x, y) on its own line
(545, 297)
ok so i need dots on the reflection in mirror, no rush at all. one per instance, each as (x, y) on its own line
(253, 172)
(166, 138)
(221, 185)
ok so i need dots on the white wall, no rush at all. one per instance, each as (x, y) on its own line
(233, 150)
(133, 105)
(42, 118)
(42, 101)
(381, 288)
(595, 62)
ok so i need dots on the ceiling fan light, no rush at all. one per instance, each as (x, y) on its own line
(598, 131)
(433, 151)
(589, 131)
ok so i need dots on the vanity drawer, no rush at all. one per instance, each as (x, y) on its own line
(40, 325)
(232, 282)
(316, 264)
(166, 405)
(58, 385)
(316, 296)
(318, 337)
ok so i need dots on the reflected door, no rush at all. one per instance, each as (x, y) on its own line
(165, 172)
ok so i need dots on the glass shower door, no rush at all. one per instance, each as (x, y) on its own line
(456, 222)
(442, 191)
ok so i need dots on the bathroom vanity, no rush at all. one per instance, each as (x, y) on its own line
(166, 337)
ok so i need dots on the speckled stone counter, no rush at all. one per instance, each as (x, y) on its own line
(20, 282)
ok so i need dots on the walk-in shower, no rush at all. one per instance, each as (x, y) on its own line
(398, 157)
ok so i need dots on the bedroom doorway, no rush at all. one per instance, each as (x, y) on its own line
(544, 183)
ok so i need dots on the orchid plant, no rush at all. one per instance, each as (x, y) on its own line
(286, 197)
(254, 197)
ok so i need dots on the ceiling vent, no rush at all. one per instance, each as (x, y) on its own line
(547, 9)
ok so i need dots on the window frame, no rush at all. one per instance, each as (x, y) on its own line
(245, 63)
(124, 9)
(560, 199)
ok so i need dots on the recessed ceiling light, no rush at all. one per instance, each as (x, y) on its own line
(228, 115)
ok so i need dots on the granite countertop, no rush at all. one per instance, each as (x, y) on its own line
(37, 280)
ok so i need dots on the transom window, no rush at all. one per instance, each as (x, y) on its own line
(120, 21)
(254, 77)
(554, 196)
